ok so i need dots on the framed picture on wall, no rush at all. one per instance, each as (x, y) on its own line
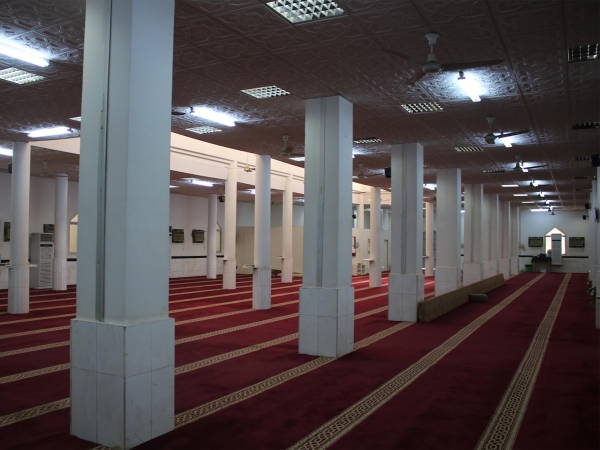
(536, 242)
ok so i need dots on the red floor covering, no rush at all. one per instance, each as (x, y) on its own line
(447, 406)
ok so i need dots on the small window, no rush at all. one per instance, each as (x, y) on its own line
(563, 243)
(73, 234)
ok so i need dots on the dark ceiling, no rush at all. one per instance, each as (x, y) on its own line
(223, 46)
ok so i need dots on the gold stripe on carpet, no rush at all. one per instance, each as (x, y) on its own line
(214, 406)
(501, 431)
(33, 349)
(33, 373)
(333, 430)
(26, 333)
(36, 318)
(30, 413)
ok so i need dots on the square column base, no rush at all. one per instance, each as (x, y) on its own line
(211, 267)
(375, 273)
(472, 273)
(18, 289)
(261, 288)
(514, 266)
(404, 292)
(446, 279)
(504, 267)
(326, 324)
(122, 381)
(287, 270)
(490, 268)
(229, 274)
(59, 274)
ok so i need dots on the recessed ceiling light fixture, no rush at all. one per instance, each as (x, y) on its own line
(538, 210)
(494, 171)
(583, 53)
(23, 54)
(76, 119)
(201, 183)
(506, 142)
(471, 149)
(585, 177)
(6, 151)
(469, 86)
(520, 195)
(46, 132)
(297, 158)
(266, 92)
(204, 130)
(419, 108)
(19, 76)
(430, 186)
(585, 125)
(369, 140)
(510, 185)
(297, 11)
(527, 202)
(213, 116)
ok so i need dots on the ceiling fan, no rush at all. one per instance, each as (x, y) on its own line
(519, 167)
(490, 137)
(288, 150)
(432, 65)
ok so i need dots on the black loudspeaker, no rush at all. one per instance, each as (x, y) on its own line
(595, 159)
(388, 172)
(588, 206)
(221, 198)
(9, 167)
(354, 216)
(584, 217)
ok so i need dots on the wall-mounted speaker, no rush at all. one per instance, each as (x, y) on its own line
(388, 172)
(221, 198)
(595, 159)
(588, 206)
(9, 167)
(584, 217)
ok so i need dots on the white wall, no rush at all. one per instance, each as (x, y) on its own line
(569, 222)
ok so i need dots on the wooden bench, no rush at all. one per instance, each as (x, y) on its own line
(437, 306)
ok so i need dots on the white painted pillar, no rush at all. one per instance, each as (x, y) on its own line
(326, 326)
(448, 268)
(211, 237)
(406, 280)
(122, 341)
(490, 267)
(18, 272)
(229, 262)
(596, 248)
(429, 261)
(261, 279)
(592, 244)
(385, 219)
(514, 240)
(473, 259)
(360, 213)
(504, 237)
(375, 259)
(61, 227)
(287, 262)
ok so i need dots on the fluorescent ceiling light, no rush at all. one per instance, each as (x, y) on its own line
(202, 183)
(23, 55)
(214, 116)
(527, 202)
(45, 132)
(173, 187)
(76, 119)
(430, 186)
(539, 210)
(534, 183)
(506, 142)
(510, 185)
(470, 149)
(296, 11)
(204, 130)
(6, 151)
(469, 86)
(19, 76)
(520, 195)
(542, 195)
(252, 191)
(369, 140)
(297, 158)
(416, 108)
(266, 92)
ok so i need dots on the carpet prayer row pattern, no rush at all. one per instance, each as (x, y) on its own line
(520, 371)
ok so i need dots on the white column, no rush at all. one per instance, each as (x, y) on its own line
(326, 325)
(514, 240)
(473, 260)
(406, 281)
(122, 341)
(592, 244)
(360, 213)
(448, 268)
(287, 263)
(211, 237)
(18, 272)
(229, 263)
(375, 259)
(61, 227)
(504, 236)
(490, 267)
(596, 249)
(429, 239)
(385, 219)
(261, 280)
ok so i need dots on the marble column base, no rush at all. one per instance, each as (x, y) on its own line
(59, 274)
(375, 273)
(404, 292)
(18, 289)
(490, 268)
(287, 270)
(446, 279)
(326, 324)
(504, 267)
(472, 273)
(122, 381)
(261, 288)
(229, 274)
(514, 266)
(211, 267)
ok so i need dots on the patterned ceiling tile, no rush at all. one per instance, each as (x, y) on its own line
(439, 11)
(219, 70)
(582, 35)
(551, 38)
(307, 88)
(280, 39)
(188, 56)
(358, 6)
(231, 48)
(252, 20)
(582, 12)
(249, 81)
(191, 81)
(201, 30)
(67, 8)
(219, 6)
(70, 34)
(9, 30)
(524, 22)
(500, 7)
(392, 20)
(28, 16)
(43, 44)
(466, 31)
(339, 28)
(261, 63)
(477, 50)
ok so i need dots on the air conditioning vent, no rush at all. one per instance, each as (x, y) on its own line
(586, 125)
(468, 149)
(177, 236)
(494, 171)
(420, 108)
(583, 53)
